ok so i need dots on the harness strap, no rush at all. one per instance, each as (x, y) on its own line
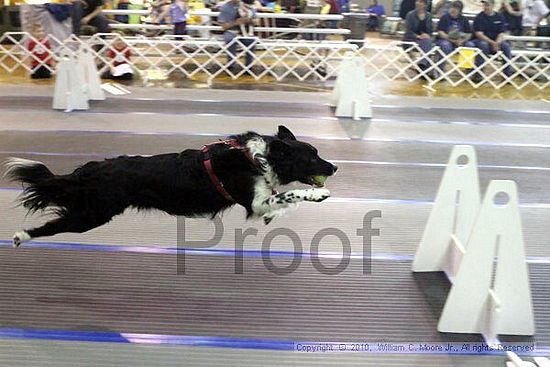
(207, 162)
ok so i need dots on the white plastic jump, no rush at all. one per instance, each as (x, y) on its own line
(481, 249)
(351, 94)
(451, 220)
(90, 75)
(77, 81)
(69, 92)
(516, 361)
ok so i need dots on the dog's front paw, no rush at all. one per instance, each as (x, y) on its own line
(19, 238)
(318, 195)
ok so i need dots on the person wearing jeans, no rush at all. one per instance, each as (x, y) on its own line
(89, 12)
(231, 22)
(453, 30)
(179, 12)
(489, 31)
(375, 11)
(419, 30)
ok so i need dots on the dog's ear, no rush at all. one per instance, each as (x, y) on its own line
(278, 148)
(285, 134)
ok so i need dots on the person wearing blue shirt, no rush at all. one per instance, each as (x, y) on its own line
(179, 11)
(231, 21)
(453, 30)
(441, 8)
(375, 11)
(513, 17)
(343, 5)
(489, 30)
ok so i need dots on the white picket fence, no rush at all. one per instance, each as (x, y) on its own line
(294, 60)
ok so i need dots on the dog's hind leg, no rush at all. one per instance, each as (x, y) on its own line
(66, 223)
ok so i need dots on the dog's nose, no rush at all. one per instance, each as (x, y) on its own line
(334, 168)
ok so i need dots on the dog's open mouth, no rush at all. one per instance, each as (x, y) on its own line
(318, 181)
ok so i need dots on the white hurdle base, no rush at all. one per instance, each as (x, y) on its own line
(481, 249)
(77, 81)
(516, 361)
(90, 74)
(455, 209)
(350, 95)
(69, 91)
(491, 297)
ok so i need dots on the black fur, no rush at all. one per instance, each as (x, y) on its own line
(176, 183)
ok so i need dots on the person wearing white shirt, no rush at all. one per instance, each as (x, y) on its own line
(534, 11)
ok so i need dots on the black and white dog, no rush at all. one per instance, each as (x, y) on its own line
(245, 170)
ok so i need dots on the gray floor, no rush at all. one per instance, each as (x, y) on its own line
(392, 163)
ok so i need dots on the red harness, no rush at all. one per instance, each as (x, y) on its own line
(207, 162)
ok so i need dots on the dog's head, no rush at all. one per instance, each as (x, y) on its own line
(295, 160)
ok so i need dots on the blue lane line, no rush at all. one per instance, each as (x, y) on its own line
(221, 252)
(210, 341)
(194, 251)
(11, 189)
(89, 336)
(202, 341)
(113, 337)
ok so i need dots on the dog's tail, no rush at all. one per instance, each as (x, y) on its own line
(27, 171)
(39, 192)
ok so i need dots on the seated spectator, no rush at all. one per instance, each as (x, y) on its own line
(311, 7)
(419, 30)
(265, 6)
(375, 11)
(320, 7)
(88, 12)
(441, 8)
(56, 30)
(489, 31)
(248, 9)
(160, 12)
(453, 30)
(231, 21)
(41, 51)
(333, 8)
(291, 6)
(344, 6)
(534, 11)
(119, 67)
(512, 13)
(407, 6)
(122, 5)
(179, 12)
